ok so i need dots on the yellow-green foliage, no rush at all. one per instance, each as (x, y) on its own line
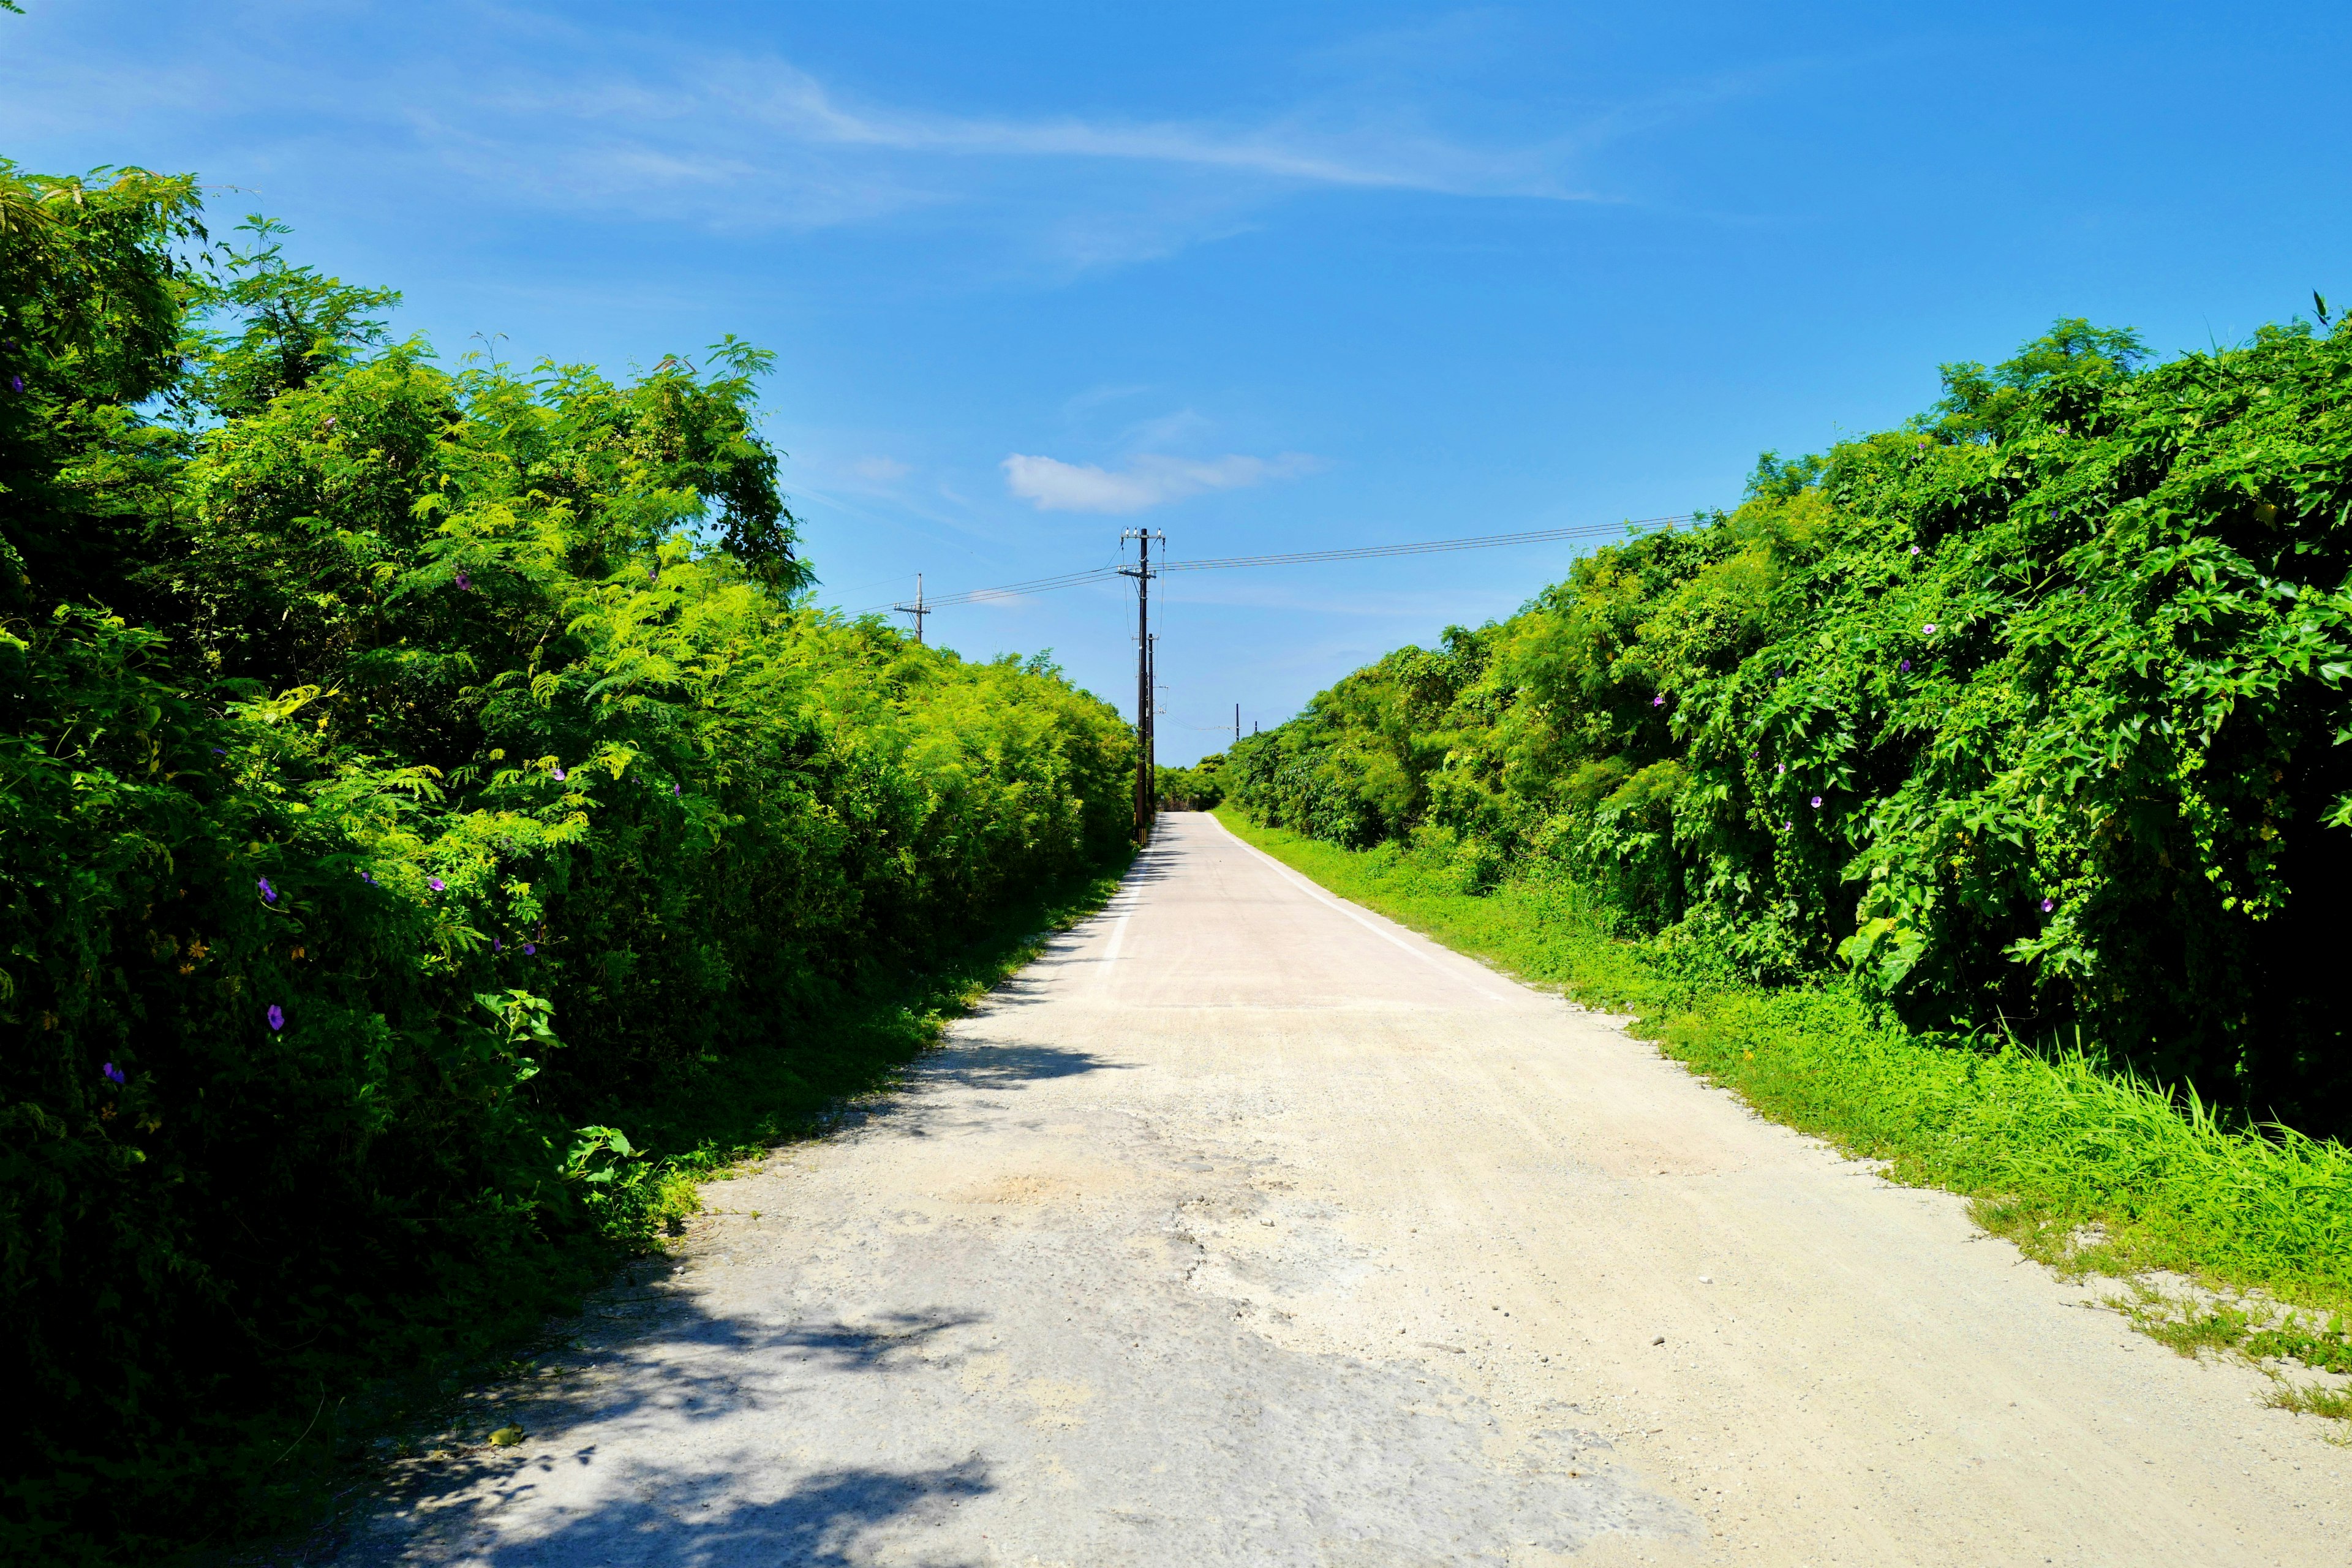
(408, 775)
(2030, 714)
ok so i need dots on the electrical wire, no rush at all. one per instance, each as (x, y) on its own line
(1293, 558)
(1428, 547)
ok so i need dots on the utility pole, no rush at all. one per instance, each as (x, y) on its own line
(1237, 723)
(1146, 782)
(917, 609)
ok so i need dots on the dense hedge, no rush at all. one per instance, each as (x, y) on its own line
(403, 771)
(2029, 715)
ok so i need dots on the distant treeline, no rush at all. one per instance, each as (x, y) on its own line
(2030, 716)
(403, 769)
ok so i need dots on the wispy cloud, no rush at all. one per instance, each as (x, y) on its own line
(1144, 482)
(1300, 146)
(546, 112)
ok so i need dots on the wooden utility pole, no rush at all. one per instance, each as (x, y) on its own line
(1146, 785)
(917, 609)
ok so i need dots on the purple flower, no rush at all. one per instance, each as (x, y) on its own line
(1817, 802)
(465, 584)
(436, 883)
(113, 1074)
(269, 893)
(2048, 904)
(15, 383)
(1779, 767)
(1929, 628)
(529, 948)
(220, 751)
(330, 421)
(496, 946)
(276, 1016)
(1659, 701)
(1906, 666)
(1915, 549)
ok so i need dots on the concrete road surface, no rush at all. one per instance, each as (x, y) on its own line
(1248, 1227)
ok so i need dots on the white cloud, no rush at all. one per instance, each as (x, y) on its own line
(1146, 481)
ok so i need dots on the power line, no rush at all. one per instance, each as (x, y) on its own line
(1429, 547)
(1299, 558)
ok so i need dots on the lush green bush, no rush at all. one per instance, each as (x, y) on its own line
(406, 774)
(1196, 788)
(2030, 713)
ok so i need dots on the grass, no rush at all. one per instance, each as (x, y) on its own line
(2086, 1170)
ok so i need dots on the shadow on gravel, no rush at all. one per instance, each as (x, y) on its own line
(676, 1362)
(828, 1520)
(1009, 1067)
(848, 1347)
(1059, 962)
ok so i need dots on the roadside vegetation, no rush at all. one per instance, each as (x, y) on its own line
(421, 786)
(1195, 788)
(1974, 795)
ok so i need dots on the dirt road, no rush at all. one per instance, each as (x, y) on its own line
(1246, 1227)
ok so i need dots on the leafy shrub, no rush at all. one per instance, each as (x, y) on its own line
(429, 768)
(2028, 713)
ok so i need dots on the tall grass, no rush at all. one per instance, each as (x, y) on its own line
(2084, 1167)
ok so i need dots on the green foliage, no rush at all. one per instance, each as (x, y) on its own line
(422, 771)
(1196, 788)
(2028, 715)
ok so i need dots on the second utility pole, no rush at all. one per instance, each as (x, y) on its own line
(1146, 786)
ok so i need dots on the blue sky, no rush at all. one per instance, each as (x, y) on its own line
(1265, 277)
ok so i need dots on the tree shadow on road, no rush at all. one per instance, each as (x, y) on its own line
(828, 1520)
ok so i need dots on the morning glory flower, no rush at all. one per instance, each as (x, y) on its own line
(1817, 802)
(1915, 549)
(559, 775)
(529, 948)
(113, 1074)
(496, 946)
(464, 583)
(276, 1016)
(1906, 666)
(15, 383)
(220, 751)
(673, 790)
(436, 883)
(1659, 701)
(1929, 628)
(1779, 767)
(2048, 904)
(269, 893)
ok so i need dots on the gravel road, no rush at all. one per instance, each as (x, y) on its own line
(1247, 1227)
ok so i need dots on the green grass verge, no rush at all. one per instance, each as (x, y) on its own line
(2086, 1170)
